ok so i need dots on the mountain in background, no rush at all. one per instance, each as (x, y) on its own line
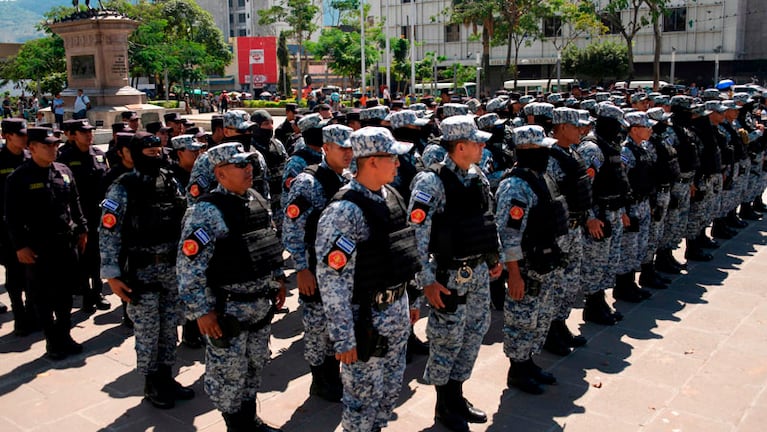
(18, 18)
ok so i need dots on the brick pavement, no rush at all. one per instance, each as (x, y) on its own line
(692, 358)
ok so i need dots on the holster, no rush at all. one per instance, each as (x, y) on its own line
(370, 343)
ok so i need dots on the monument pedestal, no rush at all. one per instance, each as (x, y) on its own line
(96, 44)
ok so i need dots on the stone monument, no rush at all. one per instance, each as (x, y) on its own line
(96, 45)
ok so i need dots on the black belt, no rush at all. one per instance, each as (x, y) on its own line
(455, 263)
(611, 203)
(684, 180)
(664, 188)
(574, 223)
(385, 298)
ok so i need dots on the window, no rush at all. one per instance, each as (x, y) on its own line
(240, 3)
(612, 28)
(405, 32)
(552, 27)
(675, 20)
(231, 33)
(230, 4)
(243, 32)
(241, 18)
(452, 33)
(231, 19)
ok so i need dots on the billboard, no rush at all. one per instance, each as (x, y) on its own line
(257, 57)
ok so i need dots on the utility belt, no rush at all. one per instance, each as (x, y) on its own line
(663, 188)
(574, 223)
(614, 202)
(453, 300)
(385, 298)
(458, 263)
(231, 327)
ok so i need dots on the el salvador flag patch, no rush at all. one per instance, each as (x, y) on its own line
(624, 159)
(422, 197)
(203, 182)
(202, 236)
(110, 205)
(346, 244)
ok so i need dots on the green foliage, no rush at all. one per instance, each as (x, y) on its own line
(424, 69)
(169, 104)
(41, 60)
(598, 60)
(463, 73)
(400, 67)
(267, 104)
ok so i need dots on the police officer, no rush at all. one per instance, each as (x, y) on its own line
(139, 232)
(532, 217)
(451, 209)
(275, 155)
(184, 153)
(407, 127)
(639, 169)
(175, 122)
(47, 228)
(567, 168)
(163, 132)
(366, 254)
(231, 279)
(285, 130)
(132, 119)
(12, 154)
(610, 189)
(308, 151)
(309, 194)
(736, 166)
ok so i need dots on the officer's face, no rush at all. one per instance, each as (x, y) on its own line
(640, 133)
(15, 142)
(472, 150)
(43, 154)
(236, 178)
(731, 114)
(133, 124)
(186, 157)
(84, 138)
(337, 157)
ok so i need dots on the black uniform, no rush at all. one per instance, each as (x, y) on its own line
(43, 213)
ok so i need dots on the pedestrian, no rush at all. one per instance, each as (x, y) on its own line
(138, 234)
(224, 103)
(47, 229)
(452, 210)
(82, 105)
(58, 109)
(7, 112)
(532, 221)
(366, 254)
(230, 277)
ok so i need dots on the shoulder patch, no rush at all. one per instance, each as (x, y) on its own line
(202, 236)
(110, 205)
(346, 244)
(192, 245)
(74, 163)
(194, 190)
(591, 172)
(288, 182)
(339, 254)
(516, 214)
(66, 178)
(108, 220)
(203, 182)
(624, 159)
(297, 207)
(34, 186)
(419, 212)
(422, 196)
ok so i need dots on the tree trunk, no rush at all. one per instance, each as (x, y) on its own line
(656, 55)
(485, 57)
(631, 61)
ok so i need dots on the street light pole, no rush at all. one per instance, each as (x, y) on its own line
(388, 48)
(673, 65)
(412, 47)
(363, 87)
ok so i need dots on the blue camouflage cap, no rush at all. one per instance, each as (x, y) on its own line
(375, 113)
(473, 104)
(311, 121)
(374, 140)
(554, 98)
(742, 98)
(454, 109)
(730, 105)
(496, 104)
(462, 127)
(228, 154)
(709, 94)
(638, 97)
(602, 96)
(588, 104)
(658, 114)
(638, 118)
(488, 121)
(618, 99)
(681, 101)
(661, 100)
(531, 135)
(714, 106)
(185, 142)
(571, 102)
(404, 118)
(539, 109)
(700, 109)
(237, 119)
(418, 107)
(609, 110)
(524, 100)
(584, 117)
(338, 134)
(564, 115)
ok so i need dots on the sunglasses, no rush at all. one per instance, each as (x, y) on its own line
(241, 164)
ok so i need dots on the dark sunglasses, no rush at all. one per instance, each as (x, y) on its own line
(241, 164)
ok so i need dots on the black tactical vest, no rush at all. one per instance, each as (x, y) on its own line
(710, 155)
(251, 249)
(739, 150)
(467, 225)
(667, 169)
(611, 180)
(688, 150)
(640, 177)
(406, 173)
(155, 208)
(331, 183)
(389, 257)
(275, 166)
(546, 221)
(576, 186)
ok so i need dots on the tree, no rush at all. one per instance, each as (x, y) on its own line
(628, 29)
(597, 60)
(400, 67)
(283, 59)
(478, 13)
(299, 16)
(41, 60)
(657, 9)
(520, 24)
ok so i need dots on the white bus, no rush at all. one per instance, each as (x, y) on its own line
(526, 86)
(467, 90)
(639, 85)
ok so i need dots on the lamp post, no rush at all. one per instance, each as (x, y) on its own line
(479, 71)
(412, 47)
(388, 48)
(363, 87)
(673, 64)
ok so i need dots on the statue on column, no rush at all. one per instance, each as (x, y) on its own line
(76, 3)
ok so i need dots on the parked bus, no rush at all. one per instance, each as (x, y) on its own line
(527, 86)
(466, 91)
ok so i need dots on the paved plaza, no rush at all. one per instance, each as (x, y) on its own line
(692, 358)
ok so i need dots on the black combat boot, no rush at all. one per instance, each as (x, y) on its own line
(748, 213)
(467, 410)
(239, 421)
(660, 277)
(665, 262)
(190, 335)
(333, 374)
(627, 290)
(415, 345)
(519, 376)
(539, 374)
(447, 412)
(720, 230)
(694, 252)
(734, 221)
(556, 342)
(321, 387)
(498, 291)
(758, 205)
(3, 308)
(597, 311)
(255, 424)
(571, 340)
(158, 392)
(178, 391)
(706, 242)
(648, 278)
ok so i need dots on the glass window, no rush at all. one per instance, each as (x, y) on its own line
(452, 33)
(552, 27)
(675, 20)
(241, 18)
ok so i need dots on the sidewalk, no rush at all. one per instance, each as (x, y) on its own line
(692, 358)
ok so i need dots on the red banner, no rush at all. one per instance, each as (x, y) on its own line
(259, 54)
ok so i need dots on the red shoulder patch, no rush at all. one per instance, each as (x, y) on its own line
(190, 247)
(337, 260)
(417, 216)
(108, 221)
(288, 182)
(517, 212)
(591, 172)
(194, 190)
(293, 211)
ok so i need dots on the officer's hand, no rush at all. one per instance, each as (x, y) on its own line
(692, 190)
(516, 287)
(414, 315)
(26, 256)
(119, 288)
(306, 281)
(82, 241)
(496, 271)
(279, 299)
(595, 228)
(348, 357)
(432, 293)
(625, 220)
(208, 325)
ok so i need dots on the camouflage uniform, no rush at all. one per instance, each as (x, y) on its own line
(634, 244)
(433, 153)
(297, 163)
